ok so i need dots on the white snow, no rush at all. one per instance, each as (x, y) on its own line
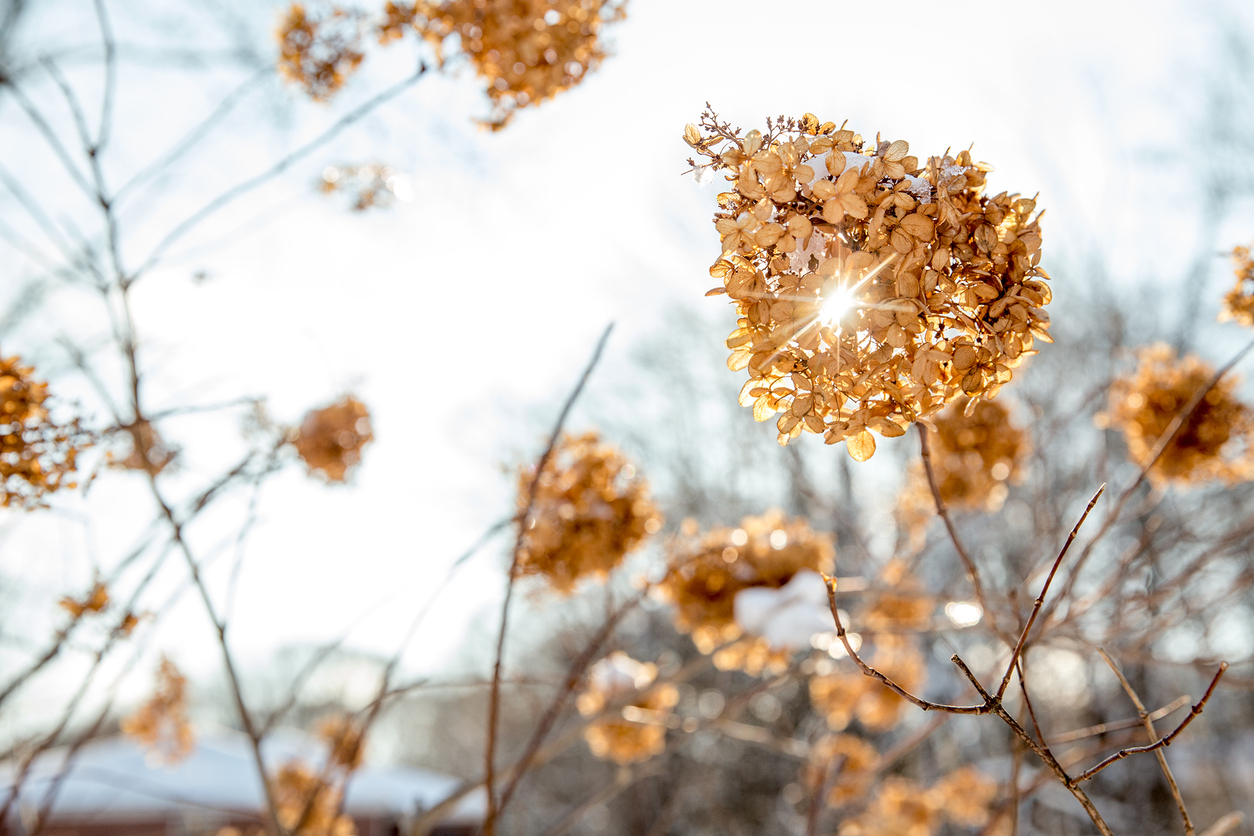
(788, 617)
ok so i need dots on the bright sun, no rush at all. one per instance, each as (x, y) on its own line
(836, 306)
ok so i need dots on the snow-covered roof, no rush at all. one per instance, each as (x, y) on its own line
(113, 777)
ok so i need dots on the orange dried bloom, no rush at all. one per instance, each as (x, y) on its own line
(319, 51)
(148, 452)
(639, 732)
(590, 509)
(901, 808)
(851, 762)
(842, 696)
(95, 601)
(871, 289)
(343, 736)
(161, 723)
(706, 575)
(368, 185)
(330, 439)
(1238, 303)
(965, 796)
(37, 456)
(1217, 441)
(527, 50)
(307, 805)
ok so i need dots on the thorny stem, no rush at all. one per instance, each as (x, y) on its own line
(943, 512)
(494, 697)
(1040, 599)
(1153, 737)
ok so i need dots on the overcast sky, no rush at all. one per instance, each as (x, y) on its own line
(462, 317)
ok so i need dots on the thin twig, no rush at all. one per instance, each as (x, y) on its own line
(523, 519)
(1165, 741)
(943, 512)
(1153, 737)
(1040, 599)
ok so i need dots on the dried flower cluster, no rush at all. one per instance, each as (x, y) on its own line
(308, 805)
(1238, 303)
(161, 723)
(330, 439)
(319, 50)
(974, 456)
(367, 185)
(638, 732)
(589, 510)
(37, 456)
(707, 573)
(1217, 440)
(902, 807)
(527, 50)
(94, 601)
(148, 452)
(871, 289)
(343, 737)
(846, 695)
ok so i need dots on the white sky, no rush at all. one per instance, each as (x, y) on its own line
(463, 317)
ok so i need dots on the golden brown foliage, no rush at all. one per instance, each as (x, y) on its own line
(590, 509)
(706, 574)
(148, 451)
(638, 732)
(330, 439)
(343, 736)
(1216, 442)
(842, 696)
(1238, 303)
(308, 805)
(527, 50)
(37, 456)
(319, 50)
(95, 601)
(161, 723)
(872, 288)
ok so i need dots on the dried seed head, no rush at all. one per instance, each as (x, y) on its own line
(318, 51)
(871, 289)
(590, 509)
(37, 454)
(638, 731)
(1238, 303)
(330, 439)
(1216, 442)
(161, 723)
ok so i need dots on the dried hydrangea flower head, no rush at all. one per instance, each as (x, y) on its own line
(37, 455)
(974, 457)
(161, 723)
(372, 185)
(965, 796)
(1238, 303)
(855, 762)
(319, 50)
(638, 732)
(708, 572)
(845, 695)
(1216, 442)
(308, 805)
(330, 439)
(343, 737)
(527, 50)
(94, 602)
(872, 288)
(590, 509)
(148, 452)
(900, 808)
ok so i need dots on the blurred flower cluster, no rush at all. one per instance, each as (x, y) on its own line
(709, 572)
(589, 510)
(330, 439)
(637, 730)
(371, 185)
(161, 723)
(1215, 442)
(526, 50)
(1238, 303)
(319, 50)
(37, 454)
(872, 288)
